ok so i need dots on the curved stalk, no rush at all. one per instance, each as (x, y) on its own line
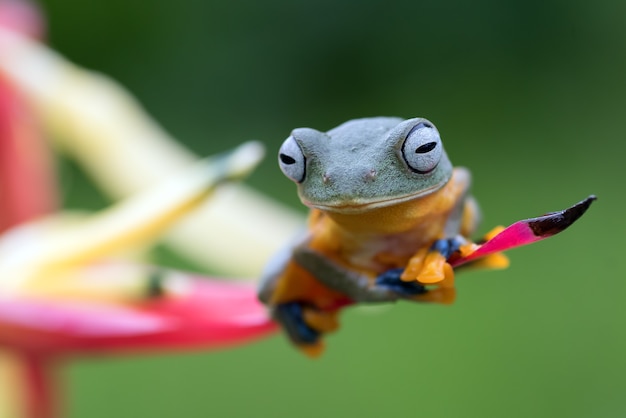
(41, 395)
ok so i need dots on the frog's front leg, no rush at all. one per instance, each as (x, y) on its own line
(432, 267)
(429, 267)
(355, 285)
(365, 289)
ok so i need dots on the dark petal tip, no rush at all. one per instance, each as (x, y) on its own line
(556, 222)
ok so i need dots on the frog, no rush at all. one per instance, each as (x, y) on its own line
(389, 214)
(387, 208)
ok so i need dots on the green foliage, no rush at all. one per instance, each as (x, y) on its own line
(530, 95)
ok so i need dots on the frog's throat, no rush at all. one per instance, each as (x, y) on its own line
(360, 207)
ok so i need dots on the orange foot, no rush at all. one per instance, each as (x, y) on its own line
(314, 350)
(322, 322)
(492, 261)
(429, 268)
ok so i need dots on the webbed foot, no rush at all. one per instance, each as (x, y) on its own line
(291, 317)
(447, 246)
(305, 325)
(496, 260)
(391, 280)
(431, 266)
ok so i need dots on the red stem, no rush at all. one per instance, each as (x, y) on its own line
(41, 396)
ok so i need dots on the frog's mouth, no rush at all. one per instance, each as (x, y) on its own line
(356, 206)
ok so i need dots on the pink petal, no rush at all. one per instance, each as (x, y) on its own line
(37, 325)
(23, 17)
(213, 315)
(27, 187)
(528, 231)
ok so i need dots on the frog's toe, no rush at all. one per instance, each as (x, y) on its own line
(447, 246)
(291, 317)
(392, 281)
(492, 261)
(435, 269)
(494, 231)
(442, 295)
(321, 321)
(312, 350)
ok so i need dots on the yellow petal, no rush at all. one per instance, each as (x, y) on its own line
(28, 254)
(147, 215)
(104, 128)
(110, 283)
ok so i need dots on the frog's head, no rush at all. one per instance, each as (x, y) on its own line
(365, 163)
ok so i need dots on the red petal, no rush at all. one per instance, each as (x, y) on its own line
(215, 314)
(528, 231)
(23, 17)
(27, 187)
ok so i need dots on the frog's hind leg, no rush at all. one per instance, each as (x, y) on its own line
(304, 307)
(306, 325)
(291, 317)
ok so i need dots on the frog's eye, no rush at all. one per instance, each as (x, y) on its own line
(422, 148)
(291, 160)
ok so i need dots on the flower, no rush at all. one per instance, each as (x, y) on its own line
(95, 121)
(64, 288)
(24, 158)
(59, 298)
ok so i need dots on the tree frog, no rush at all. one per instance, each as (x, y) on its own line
(388, 213)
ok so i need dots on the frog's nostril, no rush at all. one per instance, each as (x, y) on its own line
(325, 178)
(370, 175)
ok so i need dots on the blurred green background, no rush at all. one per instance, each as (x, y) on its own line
(531, 95)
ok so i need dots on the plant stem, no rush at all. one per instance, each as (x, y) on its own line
(41, 396)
